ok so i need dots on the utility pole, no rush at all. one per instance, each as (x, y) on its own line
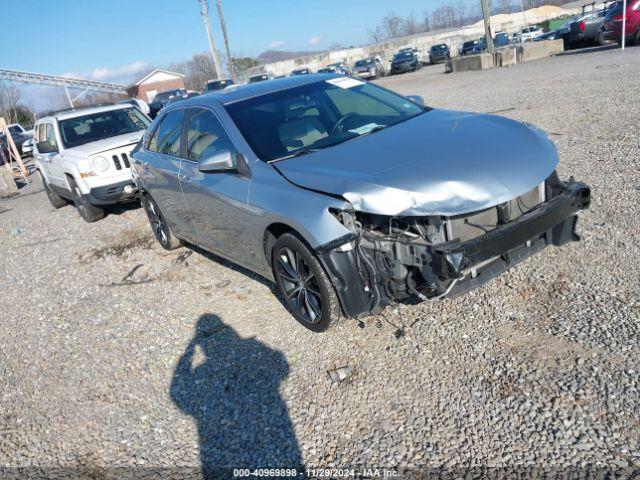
(204, 11)
(487, 25)
(223, 25)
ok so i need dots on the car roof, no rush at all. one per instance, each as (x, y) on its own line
(80, 112)
(252, 90)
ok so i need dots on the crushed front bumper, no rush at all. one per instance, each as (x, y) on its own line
(369, 274)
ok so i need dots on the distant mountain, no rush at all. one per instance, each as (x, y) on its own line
(277, 55)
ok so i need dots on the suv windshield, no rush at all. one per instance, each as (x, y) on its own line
(318, 115)
(217, 85)
(438, 48)
(97, 126)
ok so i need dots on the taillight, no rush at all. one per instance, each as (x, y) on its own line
(582, 25)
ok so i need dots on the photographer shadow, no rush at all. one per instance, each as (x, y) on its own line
(230, 386)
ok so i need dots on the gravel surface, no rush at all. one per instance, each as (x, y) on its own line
(116, 353)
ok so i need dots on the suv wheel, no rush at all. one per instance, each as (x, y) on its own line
(56, 200)
(305, 288)
(159, 225)
(636, 37)
(90, 213)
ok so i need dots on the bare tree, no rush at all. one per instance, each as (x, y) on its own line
(461, 11)
(426, 23)
(504, 6)
(411, 25)
(376, 34)
(9, 99)
(391, 25)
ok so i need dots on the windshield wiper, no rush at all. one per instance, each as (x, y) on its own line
(297, 153)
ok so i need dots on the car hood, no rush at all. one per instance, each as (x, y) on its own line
(110, 143)
(438, 163)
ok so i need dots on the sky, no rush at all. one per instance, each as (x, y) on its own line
(116, 40)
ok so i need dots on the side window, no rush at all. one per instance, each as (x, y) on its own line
(51, 136)
(166, 138)
(205, 135)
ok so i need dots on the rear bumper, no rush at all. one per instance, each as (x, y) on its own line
(368, 273)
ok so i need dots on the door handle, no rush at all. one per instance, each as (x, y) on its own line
(184, 178)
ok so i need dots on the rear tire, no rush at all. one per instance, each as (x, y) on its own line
(158, 224)
(90, 213)
(56, 200)
(306, 290)
(636, 37)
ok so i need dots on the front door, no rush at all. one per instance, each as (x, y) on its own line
(217, 201)
(158, 164)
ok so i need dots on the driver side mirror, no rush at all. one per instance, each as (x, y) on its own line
(46, 147)
(221, 161)
(417, 99)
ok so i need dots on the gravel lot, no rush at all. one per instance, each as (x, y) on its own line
(116, 353)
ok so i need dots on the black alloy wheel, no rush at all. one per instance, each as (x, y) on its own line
(159, 225)
(307, 291)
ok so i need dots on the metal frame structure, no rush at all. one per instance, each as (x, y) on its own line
(66, 82)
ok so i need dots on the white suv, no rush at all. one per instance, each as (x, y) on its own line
(83, 156)
(527, 34)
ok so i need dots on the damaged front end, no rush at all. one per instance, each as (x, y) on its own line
(392, 258)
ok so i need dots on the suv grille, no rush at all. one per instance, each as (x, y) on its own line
(469, 226)
(120, 161)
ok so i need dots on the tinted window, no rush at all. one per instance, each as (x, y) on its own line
(166, 138)
(205, 135)
(363, 63)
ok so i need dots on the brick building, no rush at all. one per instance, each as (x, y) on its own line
(155, 82)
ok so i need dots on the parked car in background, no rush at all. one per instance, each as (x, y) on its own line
(587, 29)
(19, 136)
(406, 61)
(370, 68)
(368, 216)
(527, 34)
(137, 102)
(439, 53)
(184, 96)
(337, 69)
(468, 47)
(213, 85)
(161, 99)
(84, 156)
(261, 77)
(612, 27)
(341, 66)
(300, 71)
(500, 40)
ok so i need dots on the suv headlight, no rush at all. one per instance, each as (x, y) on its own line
(99, 164)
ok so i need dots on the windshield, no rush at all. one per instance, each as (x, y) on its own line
(258, 78)
(438, 48)
(15, 130)
(97, 126)
(363, 63)
(317, 115)
(217, 85)
(469, 44)
(403, 55)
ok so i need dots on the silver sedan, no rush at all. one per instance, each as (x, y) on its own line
(349, 195)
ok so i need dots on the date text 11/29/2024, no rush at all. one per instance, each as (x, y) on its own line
(315, 473)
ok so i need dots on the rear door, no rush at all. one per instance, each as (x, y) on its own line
(158, 166)
(217, 201)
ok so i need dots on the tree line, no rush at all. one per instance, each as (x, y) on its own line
(454, 14)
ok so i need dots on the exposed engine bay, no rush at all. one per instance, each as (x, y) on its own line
(435, 256)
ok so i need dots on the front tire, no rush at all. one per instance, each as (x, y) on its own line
(56, 200)
(306, 290)
(90, 213)
(159, 225)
